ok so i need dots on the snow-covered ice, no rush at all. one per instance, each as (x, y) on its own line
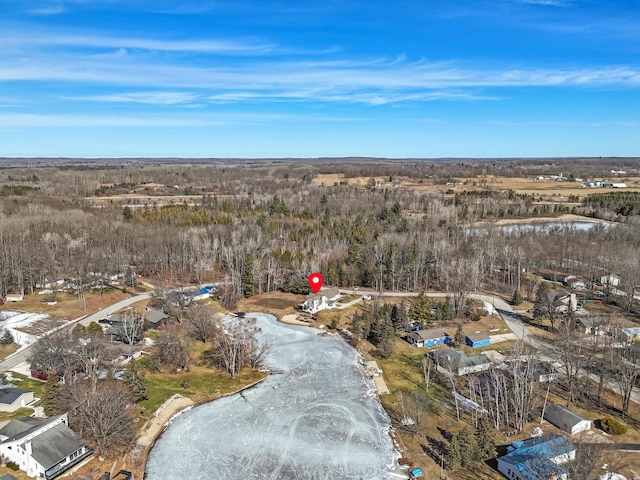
(314, 419)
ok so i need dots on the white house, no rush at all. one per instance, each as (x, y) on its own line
(458, 363)
(14, 297)
(537, 457)
(566, 419)
(11, 399)
(610, 280)
(42, 448)
(323, 300)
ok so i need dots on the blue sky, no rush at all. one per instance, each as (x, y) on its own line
(263, 78)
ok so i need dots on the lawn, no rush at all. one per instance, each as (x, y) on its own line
(199, 383)
(403, 371)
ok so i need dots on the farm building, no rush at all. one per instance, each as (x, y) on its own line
(428, 337)
(477, 339)
(565, 419)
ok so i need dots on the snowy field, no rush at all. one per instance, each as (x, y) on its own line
(318, 418)
(12, 320)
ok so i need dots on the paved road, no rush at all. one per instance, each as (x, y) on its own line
(24, 354)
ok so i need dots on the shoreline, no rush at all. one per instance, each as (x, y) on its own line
(153, 429)
(565, 217)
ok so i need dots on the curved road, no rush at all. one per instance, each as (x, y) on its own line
(24, 353)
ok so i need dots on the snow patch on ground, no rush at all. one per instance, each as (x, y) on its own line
(12, 320)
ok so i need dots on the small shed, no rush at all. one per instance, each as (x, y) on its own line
(566, 419)
(14, 297)
(477, 339)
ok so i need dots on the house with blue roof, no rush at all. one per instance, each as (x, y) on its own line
(537, 457)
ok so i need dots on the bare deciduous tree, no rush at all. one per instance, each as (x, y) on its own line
(102, 416)
(201, 323)
(173, 349)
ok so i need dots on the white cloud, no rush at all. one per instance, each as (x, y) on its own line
(152, 98)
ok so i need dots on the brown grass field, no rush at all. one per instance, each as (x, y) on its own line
(549, 190)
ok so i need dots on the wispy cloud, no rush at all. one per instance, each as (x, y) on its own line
(19, 120)
(48, 39)
(549, 3)
(150, 98)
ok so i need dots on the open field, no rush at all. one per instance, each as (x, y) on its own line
(550, 190)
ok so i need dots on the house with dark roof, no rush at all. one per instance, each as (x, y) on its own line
(566, 419)
(324, 299)
(537, 457)
(428, 337)
(184, 298)
(11, 398)
(562, 301)
(478, 339)
(154, 318)
(42, 448)
(457, 362)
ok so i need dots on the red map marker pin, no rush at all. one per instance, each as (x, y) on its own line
(315, 282)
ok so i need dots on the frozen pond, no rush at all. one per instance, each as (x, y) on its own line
(547, 227)
(317, 418)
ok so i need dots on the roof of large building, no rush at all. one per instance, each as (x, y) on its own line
(478, 337)
(431, 333)
(457, 359)
(562, 417)
(19, 427)
(532, 457)
(54, 445)
(327, 292)
(9, 395)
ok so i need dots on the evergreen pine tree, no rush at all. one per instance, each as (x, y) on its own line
(134, 379)
(398, 317)
(468, 446)
(484, 439)
(517, 297)
(452, 455)
(50, 396)
(248, 282)
(420, 311)
(459, 338)
(7, 337)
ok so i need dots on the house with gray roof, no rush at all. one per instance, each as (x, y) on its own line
(42, 448)
(590, 325)
(566, 419)
(457, 362)
(428, 337)
(11, 398)
(324, 299)
(154, 318)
